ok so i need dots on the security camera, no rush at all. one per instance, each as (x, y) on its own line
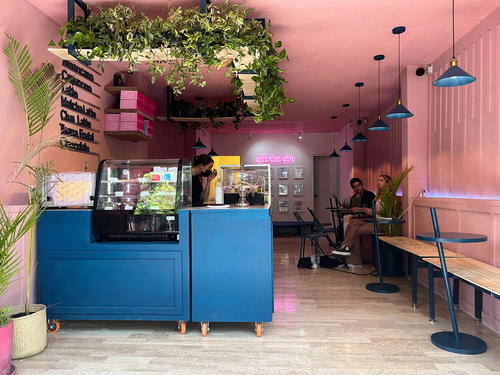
(420, 71)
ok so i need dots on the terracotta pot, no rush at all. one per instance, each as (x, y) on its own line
(6, 348)
(30, 331)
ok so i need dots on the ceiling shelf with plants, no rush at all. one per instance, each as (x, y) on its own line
(178, 46)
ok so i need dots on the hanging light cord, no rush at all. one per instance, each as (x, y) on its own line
(453, 25)
(345, 112)
(359, 108)
(399, 63)
(379, 88)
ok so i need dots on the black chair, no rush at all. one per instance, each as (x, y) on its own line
(320, 228)
(308, 233)
(337, 223)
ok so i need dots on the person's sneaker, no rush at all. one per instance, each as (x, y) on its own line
(355, 266)
(343, 250)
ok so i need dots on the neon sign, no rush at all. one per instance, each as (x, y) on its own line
(275, 159)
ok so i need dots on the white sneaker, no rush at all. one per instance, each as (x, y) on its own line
(344, 250)
(355, 265)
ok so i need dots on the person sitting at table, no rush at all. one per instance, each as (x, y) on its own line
(357, 227)
(361, 198)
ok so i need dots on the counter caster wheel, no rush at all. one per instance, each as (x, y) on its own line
(53, 325)
(259, 328)
(204, 329)
(181, 326)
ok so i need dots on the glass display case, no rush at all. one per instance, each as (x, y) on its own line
(138, 200)
(246, 185)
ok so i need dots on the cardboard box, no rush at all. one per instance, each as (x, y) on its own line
(112, 122)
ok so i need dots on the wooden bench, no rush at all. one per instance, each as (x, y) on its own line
(483, 277)
(418, 251)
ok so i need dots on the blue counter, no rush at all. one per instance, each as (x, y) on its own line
(232, 265)
(82, 279)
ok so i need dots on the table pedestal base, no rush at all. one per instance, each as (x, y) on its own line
(466, 344)
(382, 288)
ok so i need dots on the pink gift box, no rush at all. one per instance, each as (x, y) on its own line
(112, 122)
(125, 94)
(131, 126)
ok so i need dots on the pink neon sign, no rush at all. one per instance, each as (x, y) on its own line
(275, 159)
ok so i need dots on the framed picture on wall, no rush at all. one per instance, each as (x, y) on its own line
(283, 189)
(298, 173)
(283, 206)
(298, 189)
(283, 173)
(297, 206)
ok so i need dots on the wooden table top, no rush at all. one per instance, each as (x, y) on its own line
(474, 271)
(419, 248)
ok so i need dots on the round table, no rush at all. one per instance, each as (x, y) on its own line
(453, 341)
(381, 287)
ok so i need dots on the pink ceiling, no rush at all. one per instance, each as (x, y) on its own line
(331, 44)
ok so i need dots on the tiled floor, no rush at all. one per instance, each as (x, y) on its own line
(325, 322)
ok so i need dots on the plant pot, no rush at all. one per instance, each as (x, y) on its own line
(6, 368)
(30, 331)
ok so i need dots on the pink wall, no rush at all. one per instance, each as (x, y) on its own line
(12, 124)
(248, 146)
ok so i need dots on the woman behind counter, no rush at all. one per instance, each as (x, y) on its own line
(202, 167)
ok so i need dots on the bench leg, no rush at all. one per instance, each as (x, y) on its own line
(456, 291)
(414, 284)
(430, 279)
(478, 304)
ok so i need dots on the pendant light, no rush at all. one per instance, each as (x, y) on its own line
(334, 153)
(212, 152)
(454, 76)
(399, 111)
(346, 147)
(360, 137)
(199, 144)
(379, 125)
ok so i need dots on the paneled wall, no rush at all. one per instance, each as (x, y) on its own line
(464, 156)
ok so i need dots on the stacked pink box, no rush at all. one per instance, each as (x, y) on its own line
(135, 122)
(112, 122)
(137, 100)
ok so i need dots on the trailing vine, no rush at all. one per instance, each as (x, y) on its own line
(193, 39)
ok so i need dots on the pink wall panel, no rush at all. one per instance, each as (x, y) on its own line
(464, 120)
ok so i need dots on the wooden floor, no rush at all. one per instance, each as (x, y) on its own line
(325, 322)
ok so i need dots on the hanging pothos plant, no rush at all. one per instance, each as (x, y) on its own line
(192, 39)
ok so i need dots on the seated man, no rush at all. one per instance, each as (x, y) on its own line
(361, 198)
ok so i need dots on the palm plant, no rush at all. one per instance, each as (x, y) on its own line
(388, 198)
(12, 229)
(37, 90)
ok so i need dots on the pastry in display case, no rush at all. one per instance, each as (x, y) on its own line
(138, 200)
(246, 185)
(69, 189)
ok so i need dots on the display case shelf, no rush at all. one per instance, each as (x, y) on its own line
(128, 135)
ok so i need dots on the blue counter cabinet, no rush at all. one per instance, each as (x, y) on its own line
(232, 265)
(79, 279)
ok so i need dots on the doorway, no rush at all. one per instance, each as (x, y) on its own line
(325, 183)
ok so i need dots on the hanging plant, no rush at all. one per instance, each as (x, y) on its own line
(191, 39)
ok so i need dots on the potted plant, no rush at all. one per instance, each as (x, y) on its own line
(37, 89)
(12, 228)
(392, 259)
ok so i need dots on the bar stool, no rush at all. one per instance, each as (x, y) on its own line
(380, 287)
(452, 341)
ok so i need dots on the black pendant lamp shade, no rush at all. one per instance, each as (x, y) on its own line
(399, 111)
(199, 144)
(360, 137)
(453, 76)
(334, 153)
(379, 124)
(212, 152)
(346, 147)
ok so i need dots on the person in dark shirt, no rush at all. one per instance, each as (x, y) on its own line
(202, 167)
(361, 197)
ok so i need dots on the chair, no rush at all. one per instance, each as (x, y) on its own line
(319, 228)
(338, 228)
(307, 233)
